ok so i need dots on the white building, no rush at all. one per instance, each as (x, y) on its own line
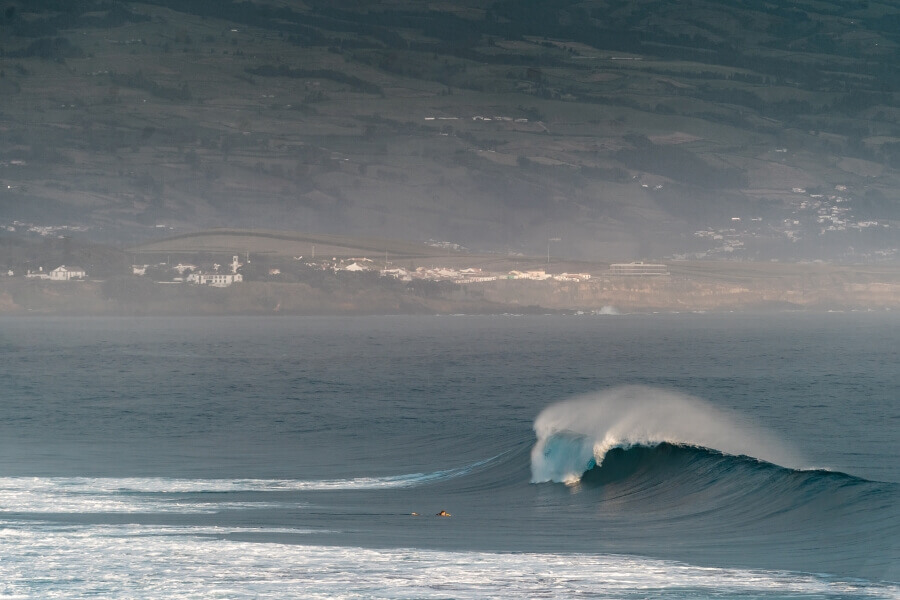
(64, 273)
(181, 268)
(398, 273)
(443, 273)
(215, 279)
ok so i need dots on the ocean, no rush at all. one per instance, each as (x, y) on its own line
(596, 456)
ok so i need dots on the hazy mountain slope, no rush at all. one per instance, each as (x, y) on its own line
(649, 128)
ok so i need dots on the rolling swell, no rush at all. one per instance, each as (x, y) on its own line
(670, 473)
(666, 471)
(748, 507)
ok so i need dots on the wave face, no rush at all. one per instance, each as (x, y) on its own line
(663, 467)
(574, 436)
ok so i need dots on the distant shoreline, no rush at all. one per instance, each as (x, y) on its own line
(134, 296)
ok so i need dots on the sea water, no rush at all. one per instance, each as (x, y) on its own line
(606, 456)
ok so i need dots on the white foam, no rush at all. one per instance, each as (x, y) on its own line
(161, 494)
(98, 494)
(102, 495)
(130, 561)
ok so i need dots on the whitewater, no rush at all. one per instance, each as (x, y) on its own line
(614, 456)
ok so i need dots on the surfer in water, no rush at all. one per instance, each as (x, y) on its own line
(443, 513)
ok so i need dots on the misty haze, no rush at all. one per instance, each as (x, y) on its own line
(462, 298)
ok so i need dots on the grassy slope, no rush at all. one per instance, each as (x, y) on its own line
(282, 244)
(202, 114)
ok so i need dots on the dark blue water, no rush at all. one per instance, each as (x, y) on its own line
(767, 443)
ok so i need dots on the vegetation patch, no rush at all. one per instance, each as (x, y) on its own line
(355, 83)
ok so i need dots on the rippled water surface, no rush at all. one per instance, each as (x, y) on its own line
(611, 456)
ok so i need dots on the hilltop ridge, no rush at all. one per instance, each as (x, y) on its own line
(679, 130)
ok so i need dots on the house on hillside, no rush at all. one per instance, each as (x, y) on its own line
(64, 273)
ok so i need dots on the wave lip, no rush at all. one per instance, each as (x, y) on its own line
(574, 436)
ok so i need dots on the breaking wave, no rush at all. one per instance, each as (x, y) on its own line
(575, 436)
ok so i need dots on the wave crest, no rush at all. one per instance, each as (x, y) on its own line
(574, 435)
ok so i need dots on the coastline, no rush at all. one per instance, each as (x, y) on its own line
(822, 290)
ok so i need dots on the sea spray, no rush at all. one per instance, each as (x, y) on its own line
(574, 435)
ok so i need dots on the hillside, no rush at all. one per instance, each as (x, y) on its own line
(697, 129)
(280, 244)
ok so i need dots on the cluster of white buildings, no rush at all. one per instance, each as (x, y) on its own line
(481, 118)
(60, 273)
(218, 277)
(215, 279)
(728, 240)
(810, 214)
(197, 276)
(476, 275)
(832, 211)
(42, 230)
(541, 275)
